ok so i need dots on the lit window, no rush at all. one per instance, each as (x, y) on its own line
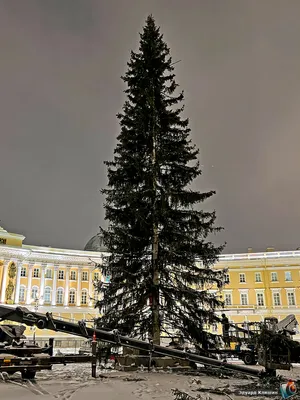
(36, 272)
(84, 276)
(34, 293)
(244, 299)
(260, 299)
(288, 276)
(258, 277)
(72, 297)
(274, 277)
(73, 276)
(242, 278)
(61, 274)
(47, 295)
(228, 301)
(84, 297)
(60, 296)
(23, 271)
(291, 299)
(48, 274)
(22, 293)
(276, 299)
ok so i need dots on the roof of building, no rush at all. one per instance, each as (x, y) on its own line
(95, 244)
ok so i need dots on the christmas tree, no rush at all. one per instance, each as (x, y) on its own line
(160, 255)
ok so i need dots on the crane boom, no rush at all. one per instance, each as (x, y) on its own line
(46, 321)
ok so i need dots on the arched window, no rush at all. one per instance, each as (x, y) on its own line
(47, 295)
(22, 293)
(60, 296)
(72, 296)
(84, 297)
(34, 293)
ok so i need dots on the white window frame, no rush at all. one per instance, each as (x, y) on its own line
(36, 273)
(290, 276)
(72, 275)
(258, 294)
(47, 291)
(85, 276)
(229, 295)
(260, 278)
(276, 299)
(242, 274)
(34, 289)
(48, 273)
(241, 297)
(23, 272)
(274, 273)
(61, 274)
(22, 290)
(291, 292)
(84, 297)
(72, 295)
(60, 292)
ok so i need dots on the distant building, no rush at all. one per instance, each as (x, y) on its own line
(61, 281)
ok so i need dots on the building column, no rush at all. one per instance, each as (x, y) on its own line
(90, 294)
(4, 280)
(78, 300)
(54, 283)
(66, 302)
(18, 281)
(29, 281)
(42, 288)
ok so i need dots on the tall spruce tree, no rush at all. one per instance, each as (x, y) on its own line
(160, 255)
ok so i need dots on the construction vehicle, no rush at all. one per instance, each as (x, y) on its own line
(265, 354)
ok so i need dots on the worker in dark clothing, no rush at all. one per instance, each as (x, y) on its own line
(225, 326)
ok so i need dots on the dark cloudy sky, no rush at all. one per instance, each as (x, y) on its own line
(60, 68)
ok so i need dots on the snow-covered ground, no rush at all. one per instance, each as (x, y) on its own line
(75, 382)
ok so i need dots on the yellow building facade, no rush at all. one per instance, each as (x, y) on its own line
(60, 281)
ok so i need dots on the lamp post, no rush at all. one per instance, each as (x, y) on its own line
(36, 308)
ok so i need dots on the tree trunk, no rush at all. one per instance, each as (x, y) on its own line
(155, 271)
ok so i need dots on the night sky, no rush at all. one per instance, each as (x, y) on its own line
(60, 68)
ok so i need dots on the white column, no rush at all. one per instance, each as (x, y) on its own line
(4, 280)
(42, 288)
(17, 291)
(78, 300)
(66, 302)
(29, 281)
(90, 294)
(54, 283)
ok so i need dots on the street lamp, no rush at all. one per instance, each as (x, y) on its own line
(36, 307)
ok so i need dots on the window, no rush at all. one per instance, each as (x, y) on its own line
(34, 293)
(60, 296)
(61, 274)
(84, 297)
(258, 277)
(36, 272)
(228, 301)
(73, 276)
(47, 295)
(291, 299)
(72, 296)
(23, 271)
(84, 276)
(242, 278)
(215, 327)
(288, 276)
(48, 274)
(22, 293)
(244, 299)
(96, 276)
(274, 277)
(260, 299)
(276, 299)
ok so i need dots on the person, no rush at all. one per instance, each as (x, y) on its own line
(225, 327)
